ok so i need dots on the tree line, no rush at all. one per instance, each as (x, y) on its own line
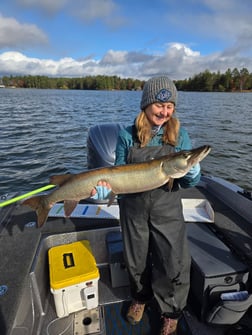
(84, 83)
(231, 81)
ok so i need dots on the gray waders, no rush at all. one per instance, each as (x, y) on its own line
(155, 244)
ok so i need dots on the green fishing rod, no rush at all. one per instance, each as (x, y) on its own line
(26, 195)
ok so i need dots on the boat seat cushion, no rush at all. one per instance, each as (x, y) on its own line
(229, 311)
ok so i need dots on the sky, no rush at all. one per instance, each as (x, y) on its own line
(126, 38)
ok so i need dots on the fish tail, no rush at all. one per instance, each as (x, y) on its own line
(41, 206)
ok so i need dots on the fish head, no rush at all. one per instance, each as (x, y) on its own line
(179, 163)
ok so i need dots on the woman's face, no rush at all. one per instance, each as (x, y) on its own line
(159, 112)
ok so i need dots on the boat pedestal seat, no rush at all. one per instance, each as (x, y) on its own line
(215, 270)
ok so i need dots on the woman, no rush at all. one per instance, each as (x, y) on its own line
(153, 228)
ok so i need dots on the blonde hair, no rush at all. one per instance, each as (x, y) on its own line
(143, 126)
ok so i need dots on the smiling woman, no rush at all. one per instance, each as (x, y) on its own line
(158, 113)
(151, 221)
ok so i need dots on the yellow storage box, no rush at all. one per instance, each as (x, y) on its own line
(73, 277)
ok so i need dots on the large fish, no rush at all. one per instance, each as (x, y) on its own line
(123, 179)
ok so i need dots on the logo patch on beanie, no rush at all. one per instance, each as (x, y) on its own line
(164, 95)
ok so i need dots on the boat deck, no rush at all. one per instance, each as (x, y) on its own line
(24, 273)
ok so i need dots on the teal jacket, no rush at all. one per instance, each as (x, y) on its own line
(125, 141)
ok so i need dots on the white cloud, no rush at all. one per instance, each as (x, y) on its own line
(18, 63)
(182, 49)
(113, 57)
(14, 34)
(178, 60)
(223, 21)
(226, 21)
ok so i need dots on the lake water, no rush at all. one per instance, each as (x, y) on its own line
(44, 132)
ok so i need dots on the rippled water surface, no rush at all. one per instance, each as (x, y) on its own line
(44, 132)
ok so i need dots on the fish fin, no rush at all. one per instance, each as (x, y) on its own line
(170, 184)
(111, 198)
(60, 179)
(41, 207)
(69, 206)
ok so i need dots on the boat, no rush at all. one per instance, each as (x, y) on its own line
(219, 222)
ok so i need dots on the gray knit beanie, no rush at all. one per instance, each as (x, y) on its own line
(158, 89)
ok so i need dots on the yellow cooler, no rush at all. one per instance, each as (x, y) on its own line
(73, 277)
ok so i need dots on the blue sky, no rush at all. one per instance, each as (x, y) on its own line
(127, 38)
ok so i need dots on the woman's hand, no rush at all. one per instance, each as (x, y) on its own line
(102, 191)
(194, 171)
